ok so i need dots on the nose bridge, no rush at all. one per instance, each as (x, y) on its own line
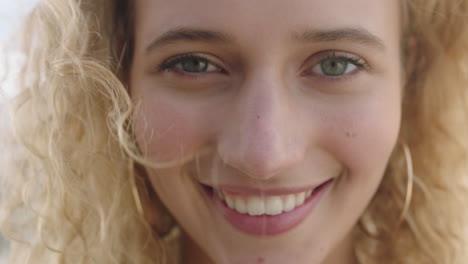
(261, 140)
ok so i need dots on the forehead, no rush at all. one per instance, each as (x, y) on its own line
(266, 19)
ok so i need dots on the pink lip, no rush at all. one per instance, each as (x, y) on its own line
(267, 225)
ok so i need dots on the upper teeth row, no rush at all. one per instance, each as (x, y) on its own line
(266, 205)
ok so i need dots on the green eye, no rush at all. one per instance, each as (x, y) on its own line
(190, 63)
(194, 65)
(334, 66)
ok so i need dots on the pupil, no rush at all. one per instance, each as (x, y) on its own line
(334, 67)
(195, 65)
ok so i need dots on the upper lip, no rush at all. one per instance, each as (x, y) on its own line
(260, 191)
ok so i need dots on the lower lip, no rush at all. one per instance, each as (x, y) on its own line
(269, 225)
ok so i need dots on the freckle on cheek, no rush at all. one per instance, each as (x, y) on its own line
(260, 260)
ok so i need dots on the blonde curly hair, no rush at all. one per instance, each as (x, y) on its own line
(67, 193)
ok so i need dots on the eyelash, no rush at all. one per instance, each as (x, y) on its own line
(355, 60)
(169, 64)
(360, 63)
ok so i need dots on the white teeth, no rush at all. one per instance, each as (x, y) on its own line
(268, 205)
(230, 202)
(300, 198)
(255, 206)
(273, 205)
(289, 202)
(241, 207)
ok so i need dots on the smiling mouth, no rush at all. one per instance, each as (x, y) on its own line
(266, 204)
(263, 204)
(265, 213)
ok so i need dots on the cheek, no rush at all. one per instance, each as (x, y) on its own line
(166, 130)
(370, 134)
(363, 135)
(360, 135)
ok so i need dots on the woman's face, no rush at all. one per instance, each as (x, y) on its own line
(279, 118)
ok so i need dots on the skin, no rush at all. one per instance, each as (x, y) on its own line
(267, 117)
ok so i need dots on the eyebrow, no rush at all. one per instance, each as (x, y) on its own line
(189, 34)
(359, 35)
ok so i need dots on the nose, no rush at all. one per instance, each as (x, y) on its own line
(262, 137)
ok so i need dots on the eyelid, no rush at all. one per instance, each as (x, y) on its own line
(171, 62)
(317, 58)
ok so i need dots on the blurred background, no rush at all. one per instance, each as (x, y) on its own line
(11, 13)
